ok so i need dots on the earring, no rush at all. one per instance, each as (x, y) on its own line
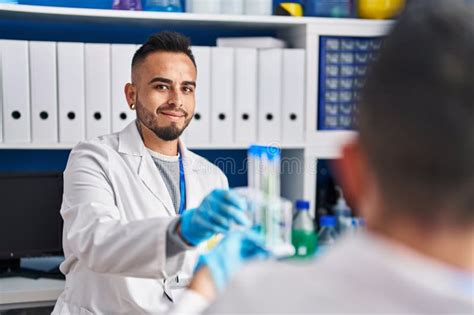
(132, 107)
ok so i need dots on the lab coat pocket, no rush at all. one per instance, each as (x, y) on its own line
(64, 308)
(79, 310)
(83, 311)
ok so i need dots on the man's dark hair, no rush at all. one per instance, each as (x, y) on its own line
(416, 114)
(166, 42)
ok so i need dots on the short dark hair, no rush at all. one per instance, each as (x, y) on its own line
(416, 114)
(164, 41)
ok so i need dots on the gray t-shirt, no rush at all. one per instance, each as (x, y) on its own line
(168, 166)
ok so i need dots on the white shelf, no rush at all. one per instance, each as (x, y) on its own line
(25, 291)
(243, 21)
(184, 18)
(35, 146)
(325, 142)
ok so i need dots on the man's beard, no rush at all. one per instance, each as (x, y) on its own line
(168, 133)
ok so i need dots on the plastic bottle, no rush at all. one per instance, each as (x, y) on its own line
(327, 235)
(343, 213)
(358, 224)
(303, 236)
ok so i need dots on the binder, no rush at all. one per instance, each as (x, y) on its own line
(71, 92)
(222, 95)
(246, 95)
(121, 63)
(199, 130)
(293, 95)
(232, 7)
(98, 103)
(44, 103)
(261, 42)
(16, 91)
(269, 95)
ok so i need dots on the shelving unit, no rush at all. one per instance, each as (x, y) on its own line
(299, 32)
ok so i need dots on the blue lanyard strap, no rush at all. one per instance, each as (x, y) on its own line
(182, 186)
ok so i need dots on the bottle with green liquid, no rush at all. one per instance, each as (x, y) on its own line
(303, 235)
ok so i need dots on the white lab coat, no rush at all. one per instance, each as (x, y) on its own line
(116, 210)
(366, 274)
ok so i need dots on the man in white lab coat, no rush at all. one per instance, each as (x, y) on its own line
(137, 204)
(411, 174)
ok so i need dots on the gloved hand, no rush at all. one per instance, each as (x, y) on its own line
(217, 212)
(230, 255)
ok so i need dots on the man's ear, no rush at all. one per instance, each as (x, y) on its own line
(351, 173)
(130, 94)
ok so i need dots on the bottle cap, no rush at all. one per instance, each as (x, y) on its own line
(255, 150)
(302, 204)
(327, 221)
(272, 153)
(341, 205)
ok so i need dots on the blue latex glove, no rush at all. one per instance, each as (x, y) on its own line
(237, 248)
(217, 212)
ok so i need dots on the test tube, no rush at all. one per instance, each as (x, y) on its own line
(264, 179)
(270, 181)
(253, 164)
(278, 222)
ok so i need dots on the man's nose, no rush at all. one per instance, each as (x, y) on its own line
(175, 98)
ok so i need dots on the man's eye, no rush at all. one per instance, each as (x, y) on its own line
(161, 87)
(188, 89)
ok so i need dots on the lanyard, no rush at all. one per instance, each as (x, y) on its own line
(182, 186)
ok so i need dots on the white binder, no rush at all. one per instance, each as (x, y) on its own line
(199, 130)
(269, 95)
(16, 91)
(121, 55)
(71, 92)
(98, 104)
(293, 95)
(44, 103)
(222, 95)
(246, 95)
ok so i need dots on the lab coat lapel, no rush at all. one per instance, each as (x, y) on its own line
(131, 143)
(153, 180)
(194, 193)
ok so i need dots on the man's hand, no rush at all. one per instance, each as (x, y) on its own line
(215, 269)
(217, 212)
